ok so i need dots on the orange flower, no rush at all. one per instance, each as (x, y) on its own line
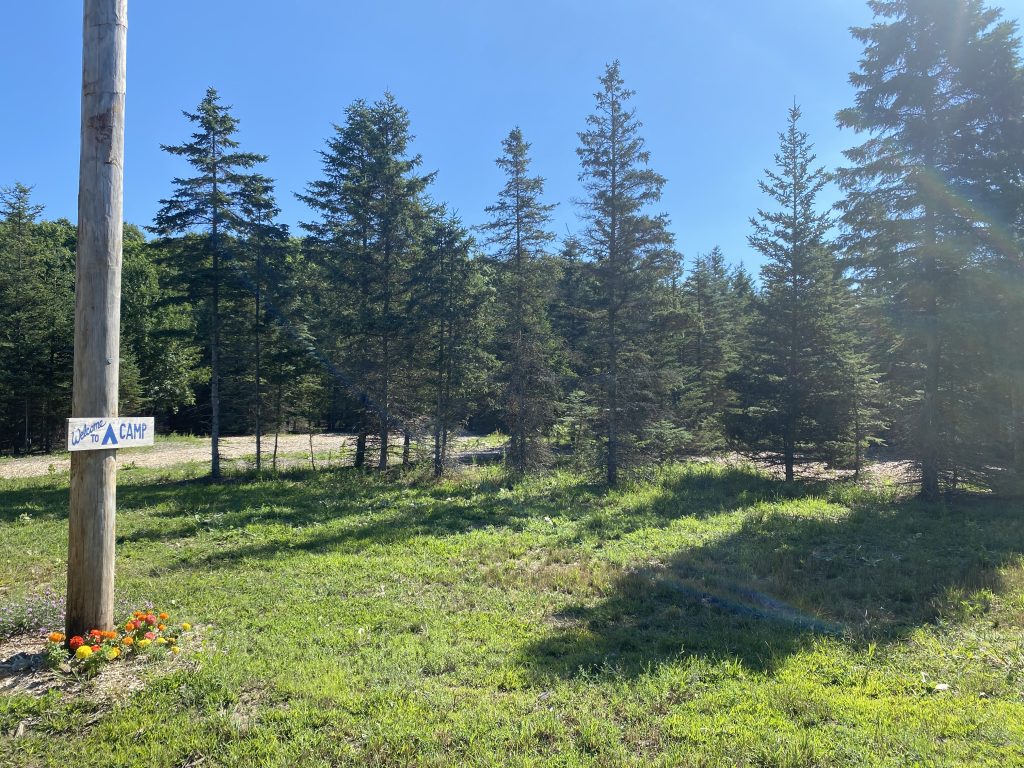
(161, 627)
(95, 633)
(56, 637)
(164, 616)
(128, 640)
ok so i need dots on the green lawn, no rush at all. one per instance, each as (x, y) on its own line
(708, 616)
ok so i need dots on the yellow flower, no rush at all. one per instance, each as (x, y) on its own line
(113, 653)
(144, 642)
(83, 652)
(186, 627)
(161, 641)
(175, 650)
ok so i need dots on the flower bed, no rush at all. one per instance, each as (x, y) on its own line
(147, 632)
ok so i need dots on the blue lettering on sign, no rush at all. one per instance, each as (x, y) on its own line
(131, 431)
(109, 437)
(88, 430)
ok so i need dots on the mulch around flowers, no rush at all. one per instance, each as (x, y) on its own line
(23, 671)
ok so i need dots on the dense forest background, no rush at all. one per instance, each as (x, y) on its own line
(892, 321)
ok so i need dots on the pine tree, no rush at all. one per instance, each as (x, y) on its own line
(449, 294)
(263, 246)
(937, 86)
(207, 205)
(715, 304)
(372, 216)
(524, 277)
(631, 252)
(795, 372)
(36, 337)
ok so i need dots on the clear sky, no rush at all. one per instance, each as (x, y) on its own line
(713, 80)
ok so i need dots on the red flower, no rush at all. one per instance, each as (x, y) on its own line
(95, 633)
(95, 648)
(150, 635)
(74, 642)
(151, 619)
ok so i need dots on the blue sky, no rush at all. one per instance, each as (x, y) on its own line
(713, 83)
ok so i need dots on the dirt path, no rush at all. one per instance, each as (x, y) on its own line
(292, 450)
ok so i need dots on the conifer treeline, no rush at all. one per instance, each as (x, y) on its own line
(894, 318)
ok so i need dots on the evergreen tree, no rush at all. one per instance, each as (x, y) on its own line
(372, 217)
(263, 248)
(715, 304)
(631, 253)
(160, 358)
(36, 337)
(937, 88)
(207, 205)
(450, 291)
(524, 277)
(795, 374)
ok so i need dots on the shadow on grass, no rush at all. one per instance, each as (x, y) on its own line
(783, 580)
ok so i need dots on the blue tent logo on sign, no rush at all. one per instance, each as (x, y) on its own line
(110, 438)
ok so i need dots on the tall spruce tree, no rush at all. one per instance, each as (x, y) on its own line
(795, 375)
(525, 278)
(937, 87)
(715, 304)
(263, 248)
(631, 251)
(369, 237)
(207, 205)
(36, 338)
(452, 339)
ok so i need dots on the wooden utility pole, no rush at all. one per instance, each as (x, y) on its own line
(90, 599)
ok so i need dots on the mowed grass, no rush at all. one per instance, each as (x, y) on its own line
(704, 616)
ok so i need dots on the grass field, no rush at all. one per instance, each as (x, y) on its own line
(705, 616)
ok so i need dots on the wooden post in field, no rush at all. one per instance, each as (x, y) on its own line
(90, 599)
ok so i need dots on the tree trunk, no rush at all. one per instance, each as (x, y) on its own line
(277, 423)
(90, 586)
(405, 449)
(360, 459)
(259, 277)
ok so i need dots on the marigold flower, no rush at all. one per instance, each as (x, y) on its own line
(164, 616)
(56, 637)
(161, 627)
(129, 626)
(186, 627)
(144, 643)
(161, 641)
(151, 619)
(128, 640)
(75, 642)
(83, 652)
(175, 650)
(113, 653)
(95, 648)
(150, 635)
(95, 633)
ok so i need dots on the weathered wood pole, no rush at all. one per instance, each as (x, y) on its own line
(90, 599)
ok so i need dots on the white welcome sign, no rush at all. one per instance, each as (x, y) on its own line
(106, 433)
